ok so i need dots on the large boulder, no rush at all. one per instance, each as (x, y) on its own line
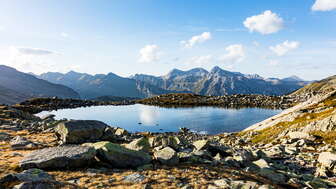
(80, 131)
(167, 156)
(61, 157)
(120, 157)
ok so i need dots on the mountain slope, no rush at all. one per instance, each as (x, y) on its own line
(93, 86)
(17, 86)
(219, 82)
(315, 116)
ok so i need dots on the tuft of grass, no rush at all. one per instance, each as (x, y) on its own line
(328, 137)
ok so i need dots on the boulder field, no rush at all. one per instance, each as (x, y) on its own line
(48, 153)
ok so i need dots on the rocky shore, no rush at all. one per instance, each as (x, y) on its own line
(228, 101)
(37, 105)
(47, 153)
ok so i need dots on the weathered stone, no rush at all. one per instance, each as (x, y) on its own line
(327, 159)
(4, 136)
(120, 157)
(61, 157)
(80, 131)
(300, 135)
(201, 144)
(45, 184)
(275, 177)
(134, 178)
(21, 143)
(167, 156)
(140, 144)
(120, 132)
(222, 183)
(240, 184)
(261, 163)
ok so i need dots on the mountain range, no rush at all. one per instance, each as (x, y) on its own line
(17, 86)
(215, 82)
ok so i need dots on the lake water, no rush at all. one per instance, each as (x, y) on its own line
(208, 120)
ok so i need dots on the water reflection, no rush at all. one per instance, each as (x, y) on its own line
(148, 116)
(134, 118)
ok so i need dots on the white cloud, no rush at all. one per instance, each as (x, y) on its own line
(200, 60)
(149, 53)
(30, 51)
(285, 47)
(65, 35)
(28, 59)
(265, 23)
(273, 62)
(235, 54)
(324, 5)
(196, 39)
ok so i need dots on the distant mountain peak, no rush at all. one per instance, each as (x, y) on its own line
(292, 78)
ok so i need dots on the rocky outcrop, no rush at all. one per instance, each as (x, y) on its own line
(229, 101)
(80, 131)
(62, 157)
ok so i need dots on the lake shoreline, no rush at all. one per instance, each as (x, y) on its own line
(173, 100)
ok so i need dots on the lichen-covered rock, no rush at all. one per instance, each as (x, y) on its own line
(167, 156)
(61, 157)
(80, 131)
(120, 157)
(141, 144)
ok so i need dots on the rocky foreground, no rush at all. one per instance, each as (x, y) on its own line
(47, 153)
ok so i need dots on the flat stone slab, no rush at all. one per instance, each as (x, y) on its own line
(61, 157)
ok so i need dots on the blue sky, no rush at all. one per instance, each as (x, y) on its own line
(270, 38)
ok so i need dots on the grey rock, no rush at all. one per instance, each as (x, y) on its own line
(275, 177)
(327, 159)
(300, 135)
(134, 178)
(201, 144)
(223, 183)
(120, 157)
(80, 131)
(141, 144)
(167, 156)
(4, 136)
(45, 184)
(21, 143)
(61, 157)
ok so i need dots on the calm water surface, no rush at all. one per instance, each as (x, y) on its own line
(209, 120)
